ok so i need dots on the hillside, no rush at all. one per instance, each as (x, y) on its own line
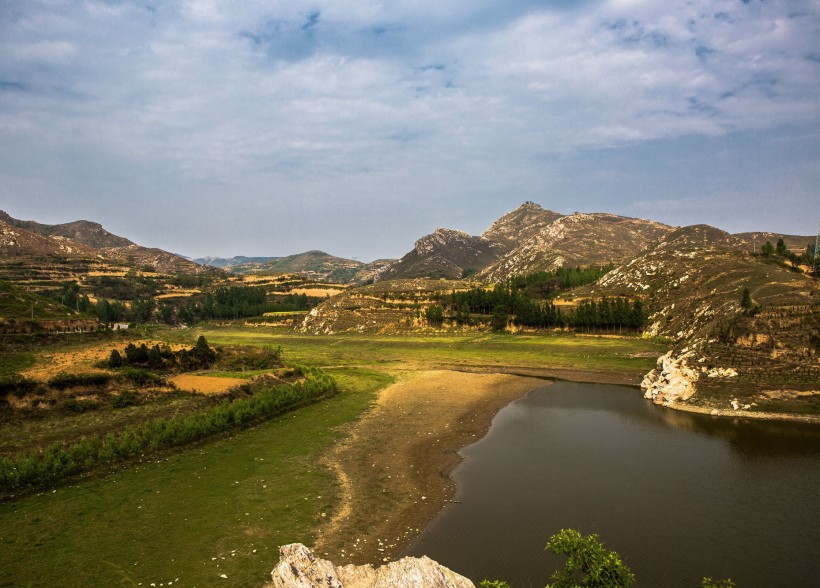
(84, 239)
(765, 357)
(316, 265)
(526, 240)
(445, 253)
(521, 224)
(383, 307)
(576, 240)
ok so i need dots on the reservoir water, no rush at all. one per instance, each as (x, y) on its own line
(680, 496)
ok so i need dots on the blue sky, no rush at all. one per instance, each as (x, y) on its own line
(273, 127)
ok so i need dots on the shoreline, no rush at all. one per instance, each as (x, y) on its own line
(790, 417)
(393, 468)
(387, 455)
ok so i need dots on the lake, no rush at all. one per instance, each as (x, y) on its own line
(680, 496)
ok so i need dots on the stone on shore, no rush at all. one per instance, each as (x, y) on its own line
(299, 568)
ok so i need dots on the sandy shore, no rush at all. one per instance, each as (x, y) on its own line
(394, 465)
(746, 414)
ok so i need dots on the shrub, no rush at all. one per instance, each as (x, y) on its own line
(140, 376)
(17, 385)
(79, 406)
(63, 380)
(125, 398)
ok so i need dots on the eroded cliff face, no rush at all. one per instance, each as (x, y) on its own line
(299, 568)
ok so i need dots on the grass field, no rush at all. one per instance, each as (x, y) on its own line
(221, 508)
(224, 507)
(630, 355)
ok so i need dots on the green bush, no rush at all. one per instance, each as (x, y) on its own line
(140, 376)
(17, 385)
(79, 406)
(63, 380)
(125, 399)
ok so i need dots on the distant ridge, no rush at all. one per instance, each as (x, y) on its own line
(85, 239)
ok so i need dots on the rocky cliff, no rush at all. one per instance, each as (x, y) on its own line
(299, 568)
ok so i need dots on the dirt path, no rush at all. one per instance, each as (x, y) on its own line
(393, 467)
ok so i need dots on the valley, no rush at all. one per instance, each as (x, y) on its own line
(325, 400)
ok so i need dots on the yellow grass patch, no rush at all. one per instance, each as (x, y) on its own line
(318, 292)
(48, 365)
(181, 293)
(204, 384)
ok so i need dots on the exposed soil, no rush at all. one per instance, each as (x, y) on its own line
(207, 385)
(393, 466)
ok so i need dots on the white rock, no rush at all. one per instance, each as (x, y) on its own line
(298, 568)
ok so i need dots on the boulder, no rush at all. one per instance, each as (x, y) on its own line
(299, 568)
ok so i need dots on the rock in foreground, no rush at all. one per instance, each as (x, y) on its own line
(298, 568)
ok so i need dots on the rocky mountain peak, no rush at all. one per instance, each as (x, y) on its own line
(441, 237)
(524, 221)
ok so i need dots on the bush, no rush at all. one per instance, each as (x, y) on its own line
(588, 562)
(125, 398)
(63, 380)
(17, 385)
(140, 376)
(79, 406)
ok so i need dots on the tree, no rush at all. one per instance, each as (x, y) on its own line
(589, 564)
(499, 320)
(746, 300)
(767, 249)
(115, 359)
(781, 247)
(434, 315)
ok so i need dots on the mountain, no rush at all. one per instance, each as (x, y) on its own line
(316, 265)
(445, 254)
(229, 262)
(85, 239)
(579, 239)
(526, 240)
(521, 224)
(85, 232)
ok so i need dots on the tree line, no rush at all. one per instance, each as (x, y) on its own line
(59, 460)
(231, 303)
(512, 302)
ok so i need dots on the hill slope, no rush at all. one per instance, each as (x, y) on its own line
(85, 239)
(525, 240)
(576, 240)
(445, 254)
(764, 358)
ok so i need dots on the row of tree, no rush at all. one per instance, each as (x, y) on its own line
(58, 460)
(511, 302)
(230, 303)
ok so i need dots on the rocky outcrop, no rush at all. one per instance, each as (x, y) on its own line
(299, 568)
(671, 380)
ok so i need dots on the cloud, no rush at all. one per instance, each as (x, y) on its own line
(374, 102)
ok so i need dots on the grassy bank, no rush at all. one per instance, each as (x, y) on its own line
(560, 351)
(235, 500)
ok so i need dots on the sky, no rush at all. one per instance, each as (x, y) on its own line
(271, 127)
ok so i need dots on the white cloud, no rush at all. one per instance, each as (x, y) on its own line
(414, 99)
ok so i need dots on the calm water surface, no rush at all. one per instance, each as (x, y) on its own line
(679, 496)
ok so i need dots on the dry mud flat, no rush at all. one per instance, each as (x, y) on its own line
(393, 466)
